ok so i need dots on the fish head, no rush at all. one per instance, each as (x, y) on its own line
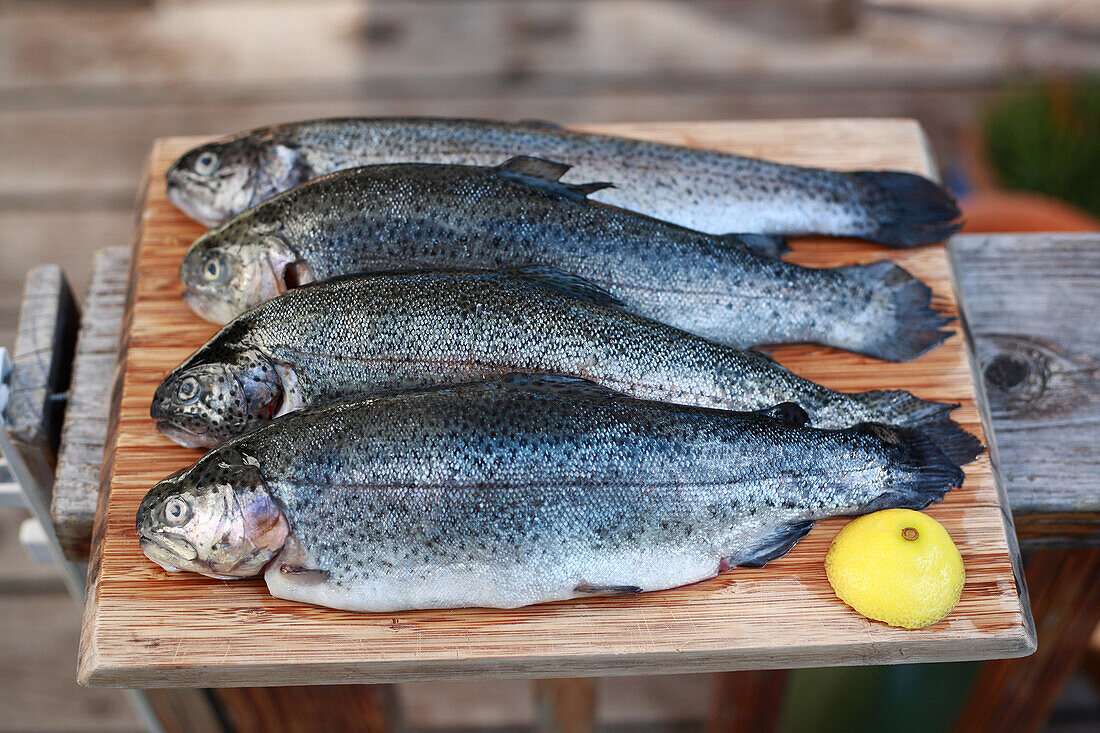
(216, 518)
(200, 405)
(235, 267)
(217, 181)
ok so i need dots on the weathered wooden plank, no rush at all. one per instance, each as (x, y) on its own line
(41, 366)
(235, 633)
(89, 160)
(1031, 303)
(138, 53)
(80, 458)
(1018, 694)
(42, 358)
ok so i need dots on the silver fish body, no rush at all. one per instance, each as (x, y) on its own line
(384, 331)
(700, 189)
(519, 214)
(520, 491)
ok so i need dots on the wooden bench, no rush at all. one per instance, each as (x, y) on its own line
(1028, 307)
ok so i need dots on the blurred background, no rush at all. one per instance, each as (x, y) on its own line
(1007, 90)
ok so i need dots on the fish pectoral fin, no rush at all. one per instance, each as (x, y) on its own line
(545, 174)
(770, 546)
(567, 284)
(302, 575)
(788, 413)
(607, 590)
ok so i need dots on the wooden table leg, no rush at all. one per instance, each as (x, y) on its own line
(748, 702)
(565, 705)
(335, 708)
(1017, 694)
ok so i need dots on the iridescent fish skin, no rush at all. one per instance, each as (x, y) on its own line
(520, 491)
(365, 333)
(701, 189)
(443, 216)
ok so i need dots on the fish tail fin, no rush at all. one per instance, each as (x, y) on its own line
(931, 472)
(907, 210)
(905, 323)
(901, 408)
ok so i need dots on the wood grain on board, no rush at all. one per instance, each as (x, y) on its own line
(144, 627)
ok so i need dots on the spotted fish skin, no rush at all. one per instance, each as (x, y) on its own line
(700, 189)
(381, 331)
(443, 216)
(520, 491)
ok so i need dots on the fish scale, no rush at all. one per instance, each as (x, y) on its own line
(513, 492)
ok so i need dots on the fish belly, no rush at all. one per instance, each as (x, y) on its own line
(489, 584)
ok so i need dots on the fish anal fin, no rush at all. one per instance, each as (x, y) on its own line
(606, 590)
(567, 284)
(770, 546)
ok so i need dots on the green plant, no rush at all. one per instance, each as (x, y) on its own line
(1046, 138)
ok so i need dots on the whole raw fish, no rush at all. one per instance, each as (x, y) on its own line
(365, 333)
(516, 492)
(701, 189)
(445, 216)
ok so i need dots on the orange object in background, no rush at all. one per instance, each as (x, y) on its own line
(994, 210)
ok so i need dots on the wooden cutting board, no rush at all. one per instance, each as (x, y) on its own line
(144, 627)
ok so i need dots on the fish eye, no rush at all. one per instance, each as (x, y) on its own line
(206, 163)
(212, 268)
(176, 511)
(188, 390)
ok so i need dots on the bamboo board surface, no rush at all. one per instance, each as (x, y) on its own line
(145, 628)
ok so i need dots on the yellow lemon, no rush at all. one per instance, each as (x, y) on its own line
(897, 566)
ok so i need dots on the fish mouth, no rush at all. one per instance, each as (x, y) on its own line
(218, 312)
(172, 546)
(179, 193)
(151, 550)
(183, 436)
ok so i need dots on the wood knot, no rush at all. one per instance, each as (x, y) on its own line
(1008, 372)
(1032, 378)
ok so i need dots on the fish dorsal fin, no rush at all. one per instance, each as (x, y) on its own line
(567, 284)
(770, 546)
(788, 413)
(772, 246)
(529, 166)
(546, 174)
(556, 385)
